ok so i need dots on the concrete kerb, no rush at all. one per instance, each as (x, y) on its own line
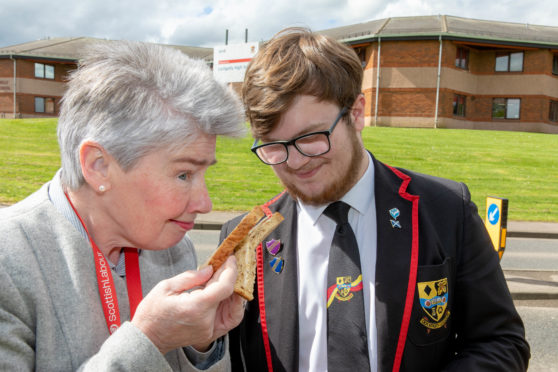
(516, 229)
(540, 230)
(214, 220)
(532, 284)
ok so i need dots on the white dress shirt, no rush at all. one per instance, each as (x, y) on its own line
(315, 234)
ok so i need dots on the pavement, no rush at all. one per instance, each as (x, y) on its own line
(523, 284)
(532, 284)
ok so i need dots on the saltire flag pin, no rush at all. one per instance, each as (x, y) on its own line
(276, 264)
(273, 246)
(394, 213)
(395, 223)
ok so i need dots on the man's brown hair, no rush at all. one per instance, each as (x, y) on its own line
(296, 62)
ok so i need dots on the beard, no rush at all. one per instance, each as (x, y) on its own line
(338, 187)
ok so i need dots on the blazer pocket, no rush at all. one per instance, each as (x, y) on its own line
(432, 309)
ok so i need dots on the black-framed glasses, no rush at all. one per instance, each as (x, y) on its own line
(309, 144)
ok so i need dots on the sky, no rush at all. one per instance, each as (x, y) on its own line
(205, 22)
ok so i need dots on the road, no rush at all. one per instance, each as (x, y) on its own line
(205, 242)
(541, 328)
(530, 254)
(520, 253)
(540, 316)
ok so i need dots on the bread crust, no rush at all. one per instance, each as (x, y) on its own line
(242, 242)
(245, 254)
(226, 248)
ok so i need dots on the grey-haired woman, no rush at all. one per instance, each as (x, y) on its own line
(96, 270)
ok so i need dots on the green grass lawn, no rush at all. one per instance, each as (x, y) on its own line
(29, 156)
(522, 167)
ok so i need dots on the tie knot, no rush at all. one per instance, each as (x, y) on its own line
(338, 211)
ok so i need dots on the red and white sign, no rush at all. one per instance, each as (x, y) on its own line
(230, 61)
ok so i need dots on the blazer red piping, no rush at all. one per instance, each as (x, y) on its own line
(261, 293)
(414, 199)
(412, 270)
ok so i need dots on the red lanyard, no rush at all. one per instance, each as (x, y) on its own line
(106, 283)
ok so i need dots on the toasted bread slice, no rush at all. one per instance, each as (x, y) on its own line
(245, 254)
(235, 237)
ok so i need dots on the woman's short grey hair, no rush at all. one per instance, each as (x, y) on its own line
(133, 98)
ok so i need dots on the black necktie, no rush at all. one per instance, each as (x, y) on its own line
(347, 346)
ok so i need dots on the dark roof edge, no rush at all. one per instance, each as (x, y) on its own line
(36, 58)
(450, 36)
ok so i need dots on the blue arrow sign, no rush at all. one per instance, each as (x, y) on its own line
(493, 214)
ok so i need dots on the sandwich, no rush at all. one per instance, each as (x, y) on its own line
(242, 242)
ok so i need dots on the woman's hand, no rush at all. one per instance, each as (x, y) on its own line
(171, 317)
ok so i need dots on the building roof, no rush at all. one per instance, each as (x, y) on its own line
(448, 27)
(68, 49)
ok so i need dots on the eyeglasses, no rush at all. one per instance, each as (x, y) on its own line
(310, 144)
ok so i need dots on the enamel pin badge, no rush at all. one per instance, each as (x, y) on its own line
(273, 246)
(277, 264)
(394, 213)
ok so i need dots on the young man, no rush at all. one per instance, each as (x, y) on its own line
(424, 290)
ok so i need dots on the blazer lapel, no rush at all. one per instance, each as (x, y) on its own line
(396, 227)
(281, 289)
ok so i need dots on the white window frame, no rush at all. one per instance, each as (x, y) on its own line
(512, 108)
(505, 62)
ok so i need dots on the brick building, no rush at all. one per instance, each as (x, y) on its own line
(428, 71)
(452, 72)
(38, 71)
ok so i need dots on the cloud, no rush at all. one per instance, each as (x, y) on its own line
(204, 22)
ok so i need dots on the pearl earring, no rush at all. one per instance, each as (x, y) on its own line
(102, 188)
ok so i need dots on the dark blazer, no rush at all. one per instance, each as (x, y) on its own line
(441, 243)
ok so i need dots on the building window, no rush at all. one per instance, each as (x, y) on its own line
(553, 115)
(39, 104)
(43, 71)
(459, 105)
(462, 58)
(361, 53)
(506, 108)
(45, 105)
(555, 65)
(509, 62)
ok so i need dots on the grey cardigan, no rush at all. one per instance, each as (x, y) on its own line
(51, 317)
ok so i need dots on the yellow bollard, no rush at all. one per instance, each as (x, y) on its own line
(496, 221)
